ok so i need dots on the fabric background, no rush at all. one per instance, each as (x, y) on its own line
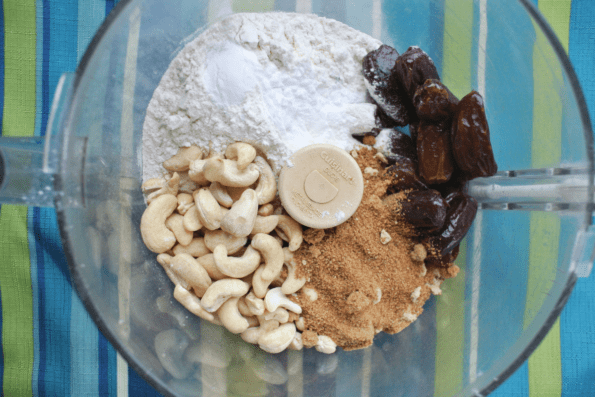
(50, 346)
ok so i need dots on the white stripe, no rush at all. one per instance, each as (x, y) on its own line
(303, 6)
(367, 371)
(122, 376)
(377, 19)
(477, 225)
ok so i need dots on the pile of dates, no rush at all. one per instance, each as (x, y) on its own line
(448, 144)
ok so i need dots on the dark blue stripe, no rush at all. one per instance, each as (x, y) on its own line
(102, 352)
(42, 306)
(109, 4)
(138, 387)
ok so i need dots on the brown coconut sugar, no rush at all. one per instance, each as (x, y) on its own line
(369, 272)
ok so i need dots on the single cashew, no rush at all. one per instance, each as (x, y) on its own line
(325, 345)
(275, 298)
(196, 172)
(266, 210)
(175, 223)
(227, 173)
(299, 324)
(296, 343)
(259, 285)
(255, 304)
(240, 219)
(292, 283)
(231, 318)
(292, 230)
(185, 201)
(243, 308)
(191, 221)
(266, 190)
(190, 270)
(277, 340)
(233, 266)
(163, 186)
(191, 302)
(231, 242)
(220, 291)
(220, 193)
(272, 253)
(252, 321)
(265, 224)
(242, 152)
(196, 248)
(165, 261)
(156, 236)
(209, 210)
(251, 335)
(187, 185)
(236, 192)
(208, 263)
(279, 314)
(182, 159)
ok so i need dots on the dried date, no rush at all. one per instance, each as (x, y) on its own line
(359, 136)
(401, 145)
(404, 176)
(424, 209)
(435, 163)
(472, 149)
(459, 218)
(433, 101)
(411, 70)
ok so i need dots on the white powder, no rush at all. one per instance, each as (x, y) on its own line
(279, 81)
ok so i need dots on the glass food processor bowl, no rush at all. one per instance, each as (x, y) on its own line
(530, 241)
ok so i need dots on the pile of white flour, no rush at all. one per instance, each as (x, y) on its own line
(278, 81)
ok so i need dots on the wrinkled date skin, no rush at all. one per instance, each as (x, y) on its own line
(459, 218)
(404, 176)
(411, 70)
(472, 149)
(377, 66)
(445, 260)
(401, 145)
(433, 101)
(434, 156)
(424, 209)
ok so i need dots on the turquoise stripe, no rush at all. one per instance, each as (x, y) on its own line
(90, 15)
(358, 15)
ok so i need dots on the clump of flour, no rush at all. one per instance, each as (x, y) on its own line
(278, 81)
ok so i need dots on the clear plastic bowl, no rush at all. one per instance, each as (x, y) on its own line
(531, 240)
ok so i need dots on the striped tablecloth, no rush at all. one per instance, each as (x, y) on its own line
(50, 346)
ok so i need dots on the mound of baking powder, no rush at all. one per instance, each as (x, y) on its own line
(278, 81)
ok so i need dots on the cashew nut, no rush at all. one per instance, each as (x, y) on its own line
(243, 308)
(161, 186)
(218, 237)
(290, 229)
(299, 324)
(182, 159)
(276, 298)
(196, 248)
(187, 185)
(175, 223)
(266, 190)
(266, 210)
(165, 261)
(156, 236)
(281, 315)
(265, 224)
(236, 192)
(208, 263)
(185, 201)
(191, 302)
(292, 283)
(220, 291)
(189, 269)
(196, 172)
(220, 193)
(272, 253)
(208, 209)
(191, 221)
(325, 345)
(259, 285)
(251, 335)
(296, 343)
(231, 318)
(277, 340)
(252, 321)
(240, 219)
(233, 266)
(255, 304)
(242, 152)
(227, 172)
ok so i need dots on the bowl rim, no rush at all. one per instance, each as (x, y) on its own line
(562, 56)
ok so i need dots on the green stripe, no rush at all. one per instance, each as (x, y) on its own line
(15, 276)
(545, 368)
(253, 5)
(450, 312)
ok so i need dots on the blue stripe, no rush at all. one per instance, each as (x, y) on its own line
(285, 5)
(109, 4)
(112, 371)
(358, 15)
(42, 310)
(36, 300)
(102, 357)
(138, 387)
(334, 9)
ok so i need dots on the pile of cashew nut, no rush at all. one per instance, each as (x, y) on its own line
(220, 241)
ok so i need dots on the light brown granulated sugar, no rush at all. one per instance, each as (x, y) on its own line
(363, 285)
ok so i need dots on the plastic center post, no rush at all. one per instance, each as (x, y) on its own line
(323, 186)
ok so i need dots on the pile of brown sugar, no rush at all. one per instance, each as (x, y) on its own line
(368, 273)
